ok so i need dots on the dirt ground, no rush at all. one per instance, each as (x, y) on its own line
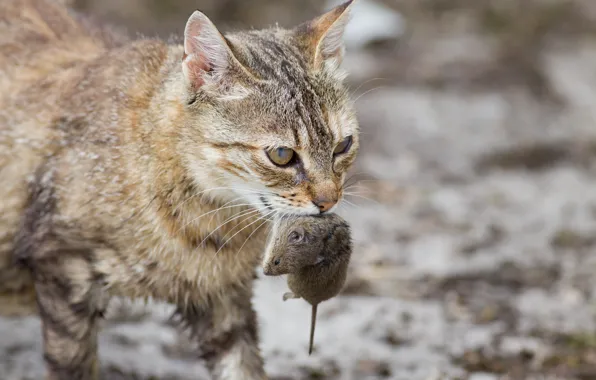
(473, 207)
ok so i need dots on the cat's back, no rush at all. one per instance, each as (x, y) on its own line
(39, 37)
(41, 47)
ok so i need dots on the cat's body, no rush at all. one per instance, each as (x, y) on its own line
(105, 189)
(115, 156)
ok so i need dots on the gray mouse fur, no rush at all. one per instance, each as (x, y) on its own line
(314, 251)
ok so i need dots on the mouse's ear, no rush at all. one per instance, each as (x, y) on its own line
(296, 235)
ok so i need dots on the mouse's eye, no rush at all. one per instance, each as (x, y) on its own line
(295, 237)
(276, 262)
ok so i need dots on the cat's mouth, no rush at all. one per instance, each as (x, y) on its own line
(271, 206)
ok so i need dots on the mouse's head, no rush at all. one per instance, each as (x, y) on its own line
(338, 243)
(295, 242)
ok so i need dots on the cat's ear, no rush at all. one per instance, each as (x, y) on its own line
(322, 38)
(207, 56)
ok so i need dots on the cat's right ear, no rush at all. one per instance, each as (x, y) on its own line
(207, 55)
(322, 38)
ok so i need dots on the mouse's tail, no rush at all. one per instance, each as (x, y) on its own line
(313, 322)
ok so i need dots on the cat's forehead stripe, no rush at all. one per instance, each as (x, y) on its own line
(282, 64)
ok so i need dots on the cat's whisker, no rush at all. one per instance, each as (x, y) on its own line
(270, 230)
(342, 206)
(249, 213)
(239, 223)
(357, 186)
(356, 175)
(220, 208)
(194, 220)
(368, 92)
(271, 217)
(231, 237)
(368, 180)
(363, 197)
(225, 204)
(363, 83)
(249, 236)
(360, 182)
(345, 182)
(354, 192)
(235, 189)
(193, 196)
(361, 192)
(350, 203)
(141, 211)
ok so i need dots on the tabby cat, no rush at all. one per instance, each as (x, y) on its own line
(143, 169)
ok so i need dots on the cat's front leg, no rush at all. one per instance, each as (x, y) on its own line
(226, 332)
(70, 309)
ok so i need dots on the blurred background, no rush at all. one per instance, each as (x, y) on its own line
(474, 213)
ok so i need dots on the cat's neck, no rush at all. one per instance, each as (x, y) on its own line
(178, 196)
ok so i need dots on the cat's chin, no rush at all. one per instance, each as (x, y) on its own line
(298, 211)
(270, 206)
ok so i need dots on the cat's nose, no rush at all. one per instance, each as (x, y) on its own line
(324, 194)
(324, 203)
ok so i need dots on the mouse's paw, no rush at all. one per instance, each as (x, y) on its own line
(289, 295)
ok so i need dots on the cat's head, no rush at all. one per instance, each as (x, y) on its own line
(268, 119)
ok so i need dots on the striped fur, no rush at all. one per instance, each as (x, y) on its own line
(287, 100)
(119, 177)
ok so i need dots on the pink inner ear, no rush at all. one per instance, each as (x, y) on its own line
(196, 68)
(200, 40)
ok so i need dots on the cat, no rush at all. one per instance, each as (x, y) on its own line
(140, 169)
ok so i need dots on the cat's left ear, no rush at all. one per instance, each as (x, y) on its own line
(207, 56)
(322, 38)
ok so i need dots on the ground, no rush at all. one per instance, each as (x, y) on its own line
(473, 213)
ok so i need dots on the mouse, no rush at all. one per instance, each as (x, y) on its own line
(314, 251)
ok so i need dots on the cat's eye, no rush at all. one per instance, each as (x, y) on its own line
(281, 156)
(343, 146)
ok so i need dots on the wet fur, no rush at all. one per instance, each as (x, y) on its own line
(105, 155)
